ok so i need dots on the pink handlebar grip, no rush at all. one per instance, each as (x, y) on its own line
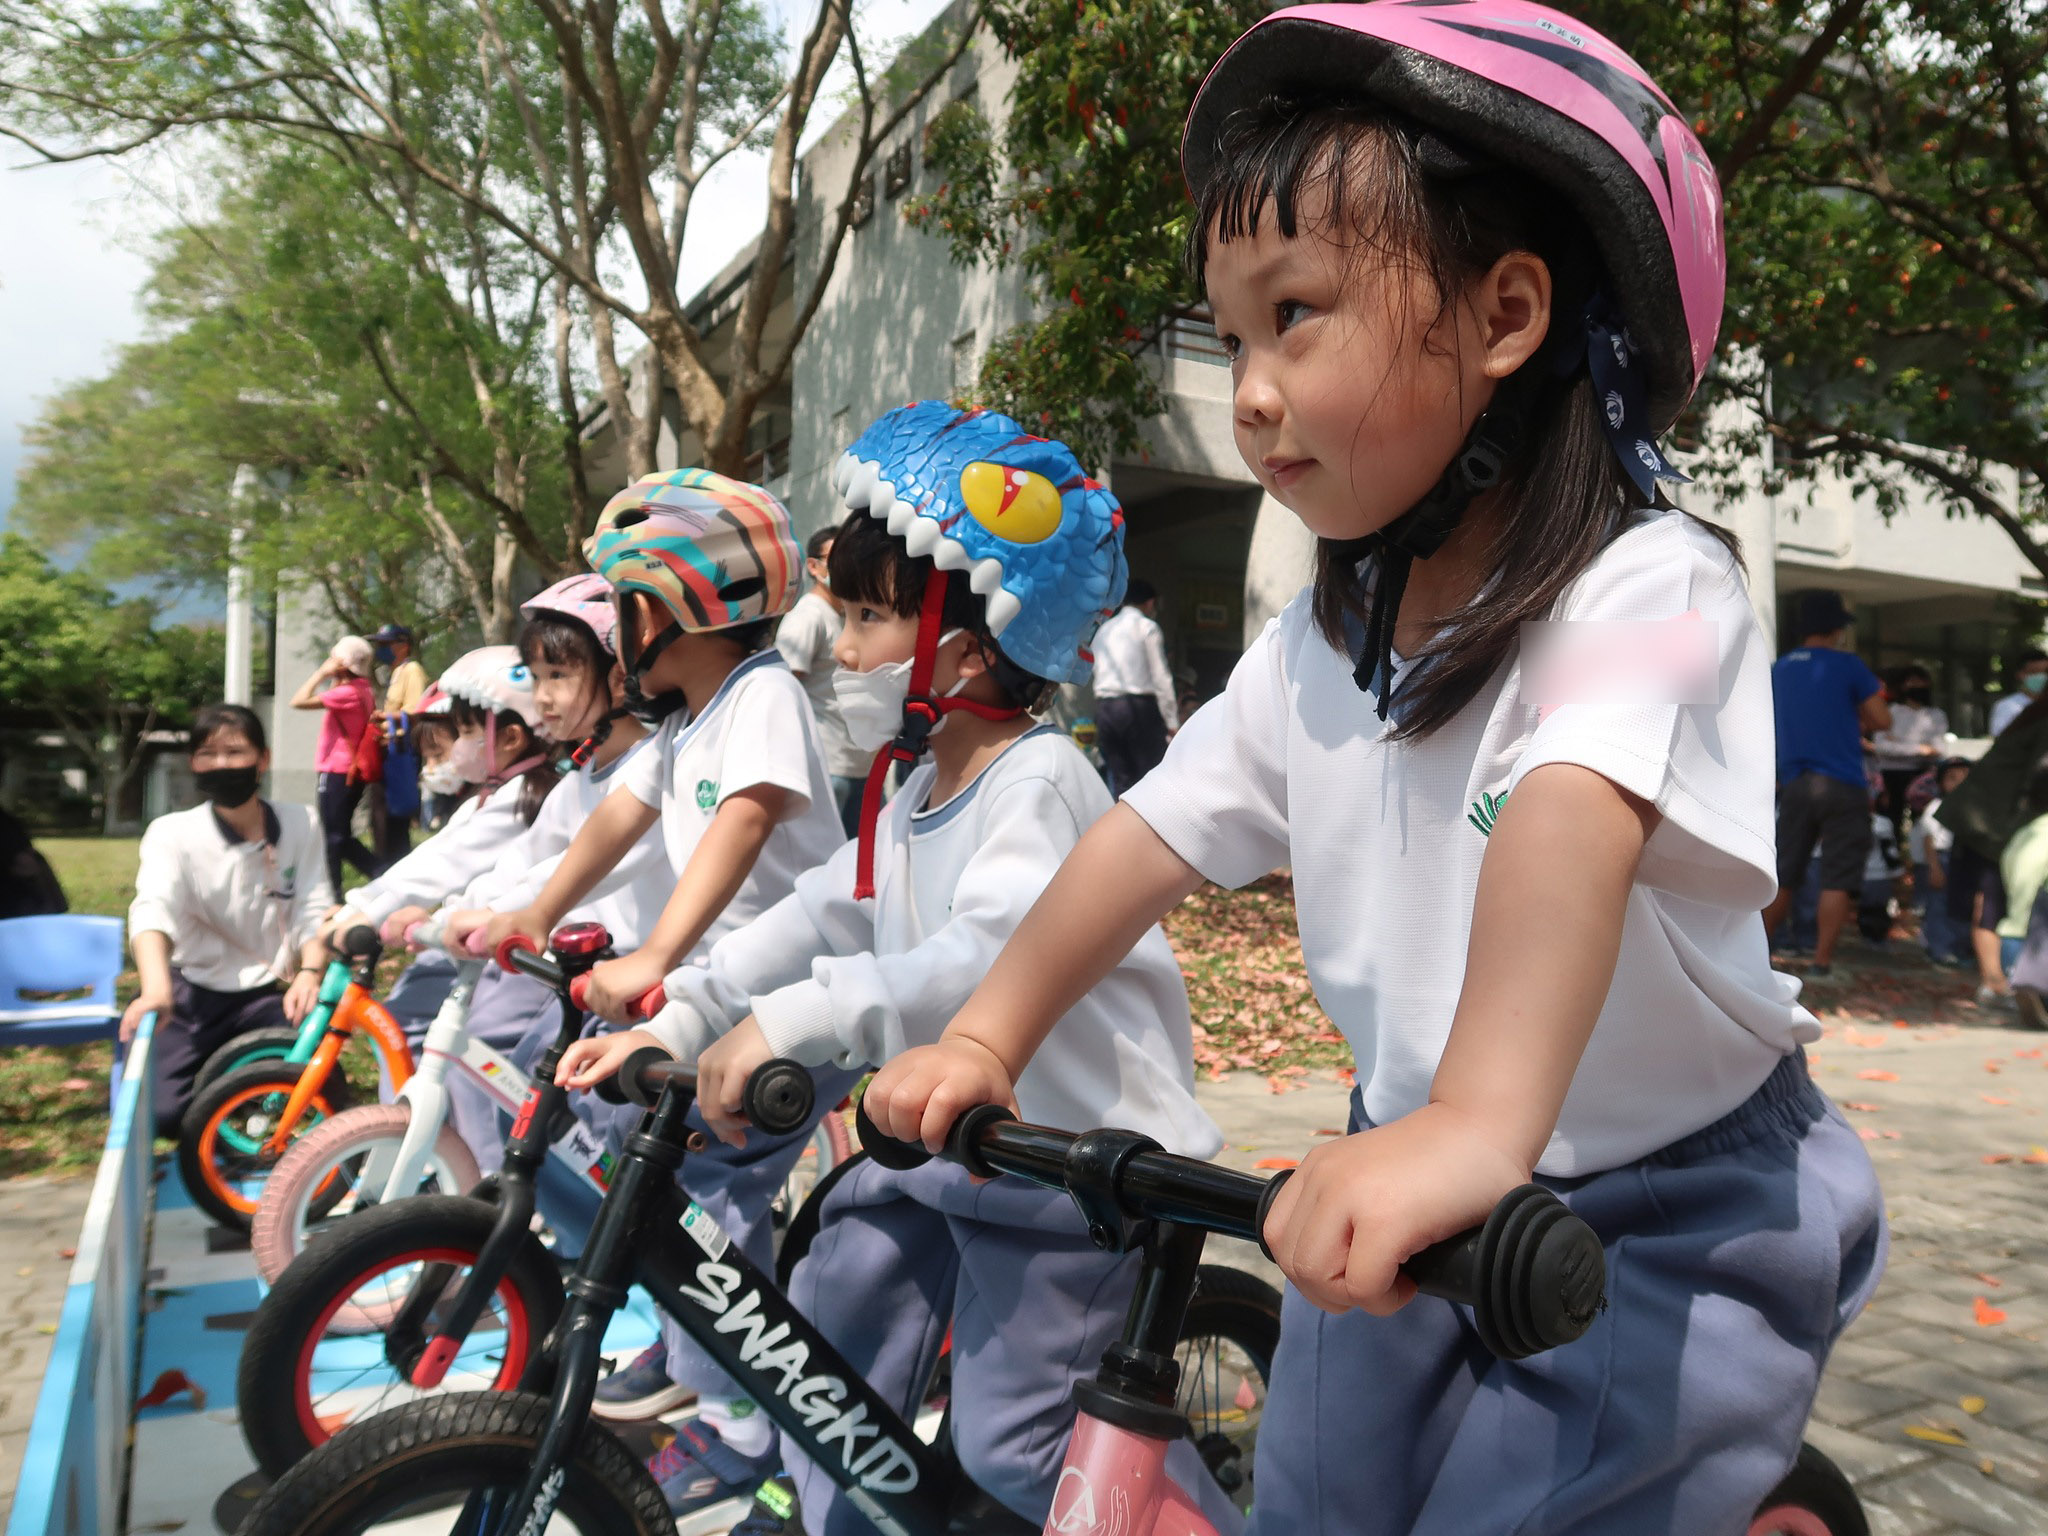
(478, 942)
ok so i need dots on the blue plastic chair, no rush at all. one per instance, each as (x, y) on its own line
(64, 953)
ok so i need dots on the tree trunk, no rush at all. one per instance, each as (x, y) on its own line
(504, 624)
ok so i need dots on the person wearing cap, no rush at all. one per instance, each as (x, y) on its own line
(1825, 699)
(399, 802)
(340, 687)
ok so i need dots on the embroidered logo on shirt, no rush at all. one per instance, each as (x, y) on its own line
(1484, 812)
(707, 794)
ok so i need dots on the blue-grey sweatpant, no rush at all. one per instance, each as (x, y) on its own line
(519, 1017)
(737, 1187)
(1032, 1304)
(1735, 1258)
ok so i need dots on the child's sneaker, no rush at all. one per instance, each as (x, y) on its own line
(640, 1390)
(698, 1469)
(774, 1511)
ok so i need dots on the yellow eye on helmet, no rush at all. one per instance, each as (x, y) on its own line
(1016, 505)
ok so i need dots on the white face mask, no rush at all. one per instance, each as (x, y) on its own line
(871, 703)
(470, 758)
(442, 779)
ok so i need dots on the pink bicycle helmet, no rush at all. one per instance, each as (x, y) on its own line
(587, 598)
(1535, 90)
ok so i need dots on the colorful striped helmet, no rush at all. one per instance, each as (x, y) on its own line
(1539, 92)
(714, 552)
(1043, 544)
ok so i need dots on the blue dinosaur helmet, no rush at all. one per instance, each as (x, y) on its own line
(1043, 543)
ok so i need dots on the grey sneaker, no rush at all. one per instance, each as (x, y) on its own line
(640, 1389)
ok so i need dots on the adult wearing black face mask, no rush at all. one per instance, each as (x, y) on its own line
(1915, 740)
(228, 898)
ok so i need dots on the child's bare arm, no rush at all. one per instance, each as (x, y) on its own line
(718, 867)
(1120, 879)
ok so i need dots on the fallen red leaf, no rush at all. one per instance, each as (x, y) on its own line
(1996, 1157)
(1278, 1162)
(1325, 1133)
(1348, 1076)
(1867, 1133)
(2028, 1055)
(67, 1253)
(1900, 1024)
(75, 1084)
(1992, 1098)
(1987, 1315)
(1860, 1105)
(1991, 1280)
(2038, 1155)
(1878, 1075)
(1992, 1066)
(1277, 1084)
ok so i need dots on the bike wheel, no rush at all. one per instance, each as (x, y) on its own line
(221, 1140)
(315, 1357)
(802, 1230)
(427, 1455)
(1226, 1360)
(830, 1145)
(322, 1179)
(271, 1044)
(1815, 1499)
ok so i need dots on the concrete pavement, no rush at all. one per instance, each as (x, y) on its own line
(39, 1221)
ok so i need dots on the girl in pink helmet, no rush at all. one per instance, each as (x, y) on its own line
(1515, 742)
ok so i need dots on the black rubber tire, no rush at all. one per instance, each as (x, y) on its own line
(226, 1089)
(256, 1045)
(802, 1230)
(1816, 1485)
(1243, 1310)
(267, 1385)
(464, 1440)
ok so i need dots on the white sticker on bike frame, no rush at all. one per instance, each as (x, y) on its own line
(704, 1232)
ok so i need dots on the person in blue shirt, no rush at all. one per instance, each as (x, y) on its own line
(1825, 699)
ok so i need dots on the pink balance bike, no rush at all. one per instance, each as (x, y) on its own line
(509, 1463)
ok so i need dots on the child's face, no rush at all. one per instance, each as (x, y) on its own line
(873, 637)
(1349, 395)
(569, 702)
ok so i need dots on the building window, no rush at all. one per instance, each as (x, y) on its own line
(864, 201)
(963, 366)
(896, 171)
(1192, 335)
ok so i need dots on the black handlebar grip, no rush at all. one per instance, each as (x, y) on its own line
(360, 942)
(896, 1156)
(779, 1097)
(1266, 1199)
(628, 1085)
(1534, 1274)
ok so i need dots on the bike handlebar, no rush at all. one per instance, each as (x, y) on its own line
(1533, 1273)
(778, 1100)
(638, 1010)
(359, 941)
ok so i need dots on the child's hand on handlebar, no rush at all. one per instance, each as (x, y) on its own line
(525, 922)
(722, 1073)
(457, 926)
(589, 1062)
(1357, 1208)
(919, 1094)
(402, 922)
(616, 985)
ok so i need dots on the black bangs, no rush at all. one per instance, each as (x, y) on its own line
(561, 640)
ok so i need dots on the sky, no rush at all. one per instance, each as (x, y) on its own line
(74, 237)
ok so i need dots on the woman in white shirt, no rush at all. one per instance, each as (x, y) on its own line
(1911, 744)
(228, 900)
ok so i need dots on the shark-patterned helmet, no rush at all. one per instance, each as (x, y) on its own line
(1041, 542)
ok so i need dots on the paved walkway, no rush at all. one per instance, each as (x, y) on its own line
(1935, 1406)
(39, 1220)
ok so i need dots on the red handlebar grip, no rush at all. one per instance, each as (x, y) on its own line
(648, 1004)
(579, 991)
(511, 946)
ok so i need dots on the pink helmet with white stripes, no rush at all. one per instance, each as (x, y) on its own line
(1533, 89)
(585, 597)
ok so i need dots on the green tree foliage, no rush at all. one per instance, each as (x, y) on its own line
(103, 671)
(1886, 169)
(571, 133)
(388, 377)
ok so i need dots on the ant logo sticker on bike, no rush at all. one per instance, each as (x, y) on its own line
(1074, 1511)
(882, 1466)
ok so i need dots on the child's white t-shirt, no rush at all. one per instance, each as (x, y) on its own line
(479, 832)
(757, 730)
(832, 979)
(1929, 840)
(1883, 863)
(1289, 766)
(627, 900)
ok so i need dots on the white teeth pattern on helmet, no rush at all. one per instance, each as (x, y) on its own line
(842, 472)
(921, 537)
(1002, 607)
(860, 484)
(951, 554)
(988, 575)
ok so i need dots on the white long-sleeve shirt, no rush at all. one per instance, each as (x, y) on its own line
(236, 912)
(444, 865)
(1130, 660)
(627, 900)
(832, 979)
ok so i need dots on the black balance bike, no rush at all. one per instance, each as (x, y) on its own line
(530, 1461)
